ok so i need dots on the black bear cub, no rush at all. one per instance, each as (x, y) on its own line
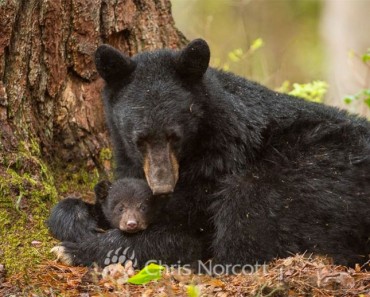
(128, 204)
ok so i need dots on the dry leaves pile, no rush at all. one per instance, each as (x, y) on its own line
(293, 276)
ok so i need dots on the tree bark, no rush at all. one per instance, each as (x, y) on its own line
(345, 27)
(49, 88)
(51, 113)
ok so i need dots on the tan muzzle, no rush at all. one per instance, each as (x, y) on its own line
(161, 168)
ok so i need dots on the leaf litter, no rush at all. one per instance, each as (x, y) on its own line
(299, 275)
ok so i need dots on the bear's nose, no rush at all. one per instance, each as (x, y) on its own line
(131, 224)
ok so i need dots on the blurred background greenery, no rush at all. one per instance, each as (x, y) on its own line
(279, 41)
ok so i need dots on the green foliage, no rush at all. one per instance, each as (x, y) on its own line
(230, 25)
(364, 94)
(147, 274)
(366, 56)
(256, 44)
(105, 154)
(238, 55)
(193, 291)
(76, 180)
(313, 91)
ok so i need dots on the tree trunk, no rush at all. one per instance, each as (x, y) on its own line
(345, 26)
(50, 106)
(49, 88)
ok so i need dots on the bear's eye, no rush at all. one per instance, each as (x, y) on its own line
(121, 208)
(143, 207)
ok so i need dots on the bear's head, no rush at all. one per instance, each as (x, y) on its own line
(153, 106)
(128, 204)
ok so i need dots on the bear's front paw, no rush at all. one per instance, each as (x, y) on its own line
(62, 255)
(121, 255)
(66, 253)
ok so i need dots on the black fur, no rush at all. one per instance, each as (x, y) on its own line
(128, 200)
(261, 174)
(75, 220)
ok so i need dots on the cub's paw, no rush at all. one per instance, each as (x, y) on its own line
(69, 253)
(62, 255)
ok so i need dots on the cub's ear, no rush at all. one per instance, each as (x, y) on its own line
(101, 190)
(192, 61)
(112, 65)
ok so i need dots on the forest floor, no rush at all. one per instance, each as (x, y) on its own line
(27, 268)
(294, 276)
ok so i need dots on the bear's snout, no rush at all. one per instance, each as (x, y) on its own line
(161, 168)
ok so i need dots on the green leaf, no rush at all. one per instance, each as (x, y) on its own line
(236, 55)
(233, 57)
(256, 44)
(366, 56)
(147, 274)
(284, 88)
(313, 91)
(366, 92)
(367, 101)
(349, 99)
(193, 291)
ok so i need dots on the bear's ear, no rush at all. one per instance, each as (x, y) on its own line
(101, 190)
(192, 61)
(112, 65)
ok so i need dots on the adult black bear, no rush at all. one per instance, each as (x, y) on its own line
(255, 174)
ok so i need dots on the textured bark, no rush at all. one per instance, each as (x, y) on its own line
(49, 88)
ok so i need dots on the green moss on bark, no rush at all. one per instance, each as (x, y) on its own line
(27, 190)
(29, 187)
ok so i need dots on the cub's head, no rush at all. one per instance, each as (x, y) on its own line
(153, 106)
(128, 204)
